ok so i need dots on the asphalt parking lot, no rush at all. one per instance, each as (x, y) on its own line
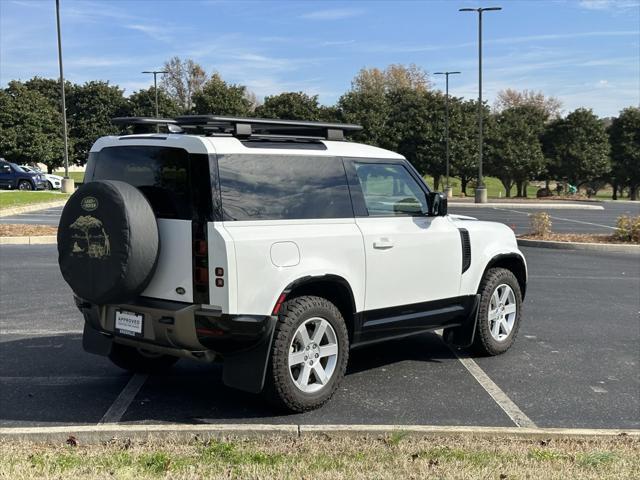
(575, 362)
(578, 221)
(49, 216)
(563, 220)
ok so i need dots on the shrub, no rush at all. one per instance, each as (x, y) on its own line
(541, 224)
(628, 229)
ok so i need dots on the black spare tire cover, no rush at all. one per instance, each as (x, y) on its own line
(108, 242)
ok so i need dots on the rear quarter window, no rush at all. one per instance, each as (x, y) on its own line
(176, 183)
(278, 187)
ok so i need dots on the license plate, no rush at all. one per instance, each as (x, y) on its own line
(129, 323)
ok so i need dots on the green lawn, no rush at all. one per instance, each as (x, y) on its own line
(389, 458)
(20, 198)
(77, 176)
(494, 187)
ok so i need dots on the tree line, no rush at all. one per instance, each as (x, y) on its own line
(526, 137)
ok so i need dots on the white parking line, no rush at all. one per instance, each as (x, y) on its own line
(559, 218)
(120, 405)
(516, 415)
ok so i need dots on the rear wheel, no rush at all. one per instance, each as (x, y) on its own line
(137, 360)
(309, 354)
(25, 185)
(499, 312)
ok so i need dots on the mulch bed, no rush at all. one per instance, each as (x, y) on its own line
(578, 238)
(19, 230)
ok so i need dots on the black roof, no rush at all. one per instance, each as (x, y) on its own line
(243, 127)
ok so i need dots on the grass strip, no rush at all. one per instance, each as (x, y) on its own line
(22, 198)
(394, 457)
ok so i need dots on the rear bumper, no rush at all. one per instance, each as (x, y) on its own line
(180, 326)
(186, 330)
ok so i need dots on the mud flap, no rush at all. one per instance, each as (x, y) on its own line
(463, 335)
(246, 370)
(95, 342)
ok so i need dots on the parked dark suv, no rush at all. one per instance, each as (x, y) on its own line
(14, 177)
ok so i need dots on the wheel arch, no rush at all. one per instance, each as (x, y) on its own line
(334, 288)
(513, 262)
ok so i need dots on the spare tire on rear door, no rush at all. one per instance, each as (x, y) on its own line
(108, 242)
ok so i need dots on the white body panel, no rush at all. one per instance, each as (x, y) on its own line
(410, 260)
(326, 247)
(488, 240)
(174, 269)
(261, 258)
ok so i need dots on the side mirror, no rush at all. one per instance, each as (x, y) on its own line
(437, 204)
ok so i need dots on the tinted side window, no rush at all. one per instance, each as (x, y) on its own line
(275, 187)
(389, 189)
(175, 182)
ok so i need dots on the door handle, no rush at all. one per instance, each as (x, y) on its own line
(383, 244)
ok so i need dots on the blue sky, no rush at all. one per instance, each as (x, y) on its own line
(585, 52)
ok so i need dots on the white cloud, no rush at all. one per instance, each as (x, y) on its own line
(608, 4)
(332, 14)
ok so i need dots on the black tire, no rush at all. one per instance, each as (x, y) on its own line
(136, 361)
(280, 388)
(25, 185)
(484, 342)
(48, 185)
(108, 242)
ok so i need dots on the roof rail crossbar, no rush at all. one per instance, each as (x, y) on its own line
(248, 127)
(143, 121)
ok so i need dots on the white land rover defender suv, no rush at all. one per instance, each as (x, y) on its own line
(277, 247)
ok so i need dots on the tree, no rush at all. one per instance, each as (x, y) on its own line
(624, 135)
(368, 101)
(290, 105)
(463, 139)
(218, 97)
(514, 152)
(184, 79)
(89, 111)
(510, 98)
(577, 147)
(30, 127)
(143, 104)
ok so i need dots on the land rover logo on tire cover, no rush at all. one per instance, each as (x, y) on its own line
(89, 204)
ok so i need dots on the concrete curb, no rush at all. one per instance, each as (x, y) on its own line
(8, 212)
(594, 247)
(91, 434)
(536, 206)
(32, 240)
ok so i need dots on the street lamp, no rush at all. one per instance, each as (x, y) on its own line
(481, 191)
(155, 89)
(447, 189)
(67, 183)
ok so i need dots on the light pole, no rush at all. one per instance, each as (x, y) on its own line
(447, 189)
(67, 183)
(155, 89)
(481, 191)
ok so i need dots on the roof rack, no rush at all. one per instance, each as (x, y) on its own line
(245, 128)
(144, 124)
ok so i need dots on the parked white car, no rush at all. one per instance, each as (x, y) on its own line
(278, 247)
(54, 182)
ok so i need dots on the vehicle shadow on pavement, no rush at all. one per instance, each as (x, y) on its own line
(51, 380)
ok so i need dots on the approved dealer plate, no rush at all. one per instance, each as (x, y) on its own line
(129, 323)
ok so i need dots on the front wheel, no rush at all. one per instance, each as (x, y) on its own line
(48, 185)
(137, 360)
(25, 185)
(499, 312)
(309, 354)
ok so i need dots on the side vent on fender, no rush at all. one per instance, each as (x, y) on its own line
(466, 249)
